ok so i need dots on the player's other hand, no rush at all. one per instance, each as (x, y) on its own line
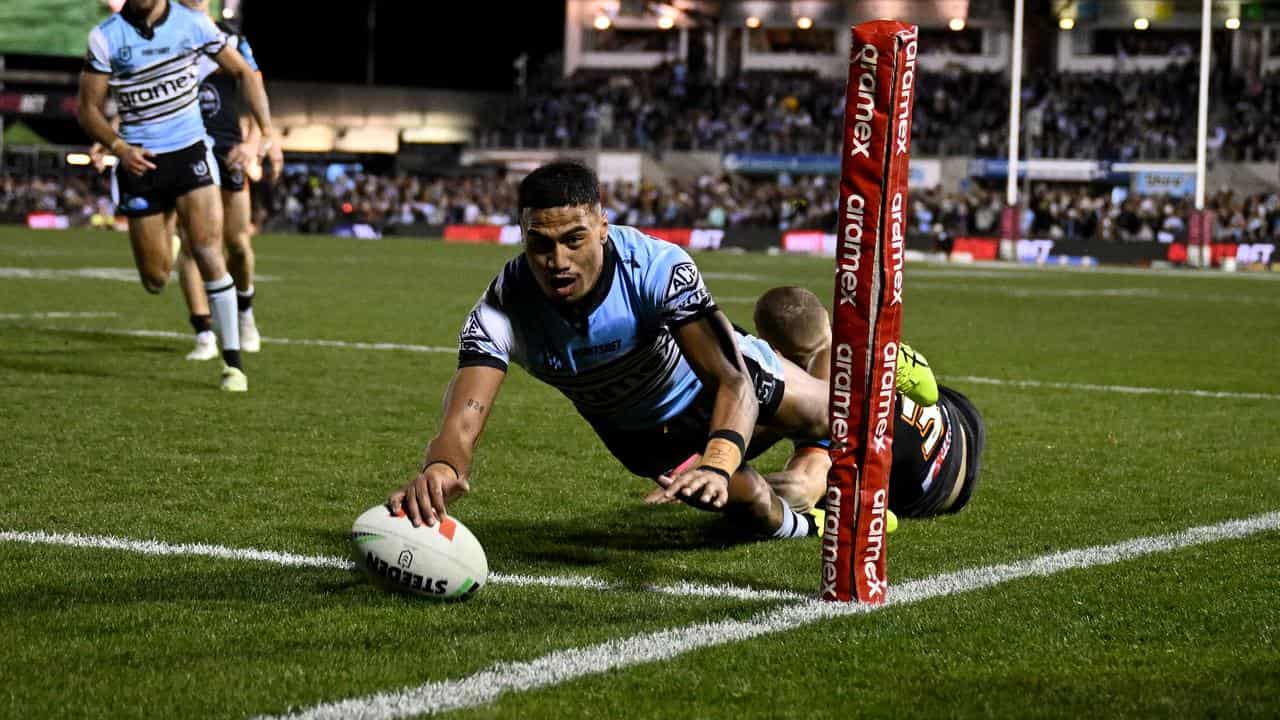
(699, 486)
(270, 149)
(98, 156)
(658, 495)
(240, 156)
(423, 499)
(135, 159)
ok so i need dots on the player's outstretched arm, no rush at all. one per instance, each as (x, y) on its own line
(447, 465)
(709, 346)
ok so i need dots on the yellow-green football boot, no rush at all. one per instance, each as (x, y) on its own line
(915, 377)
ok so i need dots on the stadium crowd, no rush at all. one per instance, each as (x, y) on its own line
(1132, 115)
(308, 203)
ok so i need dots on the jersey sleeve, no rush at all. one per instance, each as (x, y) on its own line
(486, 337)
(208, 38)
(247, 52)
(674, 287)
(98, 58)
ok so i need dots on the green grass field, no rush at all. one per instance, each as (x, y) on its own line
(109, 433)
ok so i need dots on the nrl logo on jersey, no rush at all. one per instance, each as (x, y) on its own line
(684, 277)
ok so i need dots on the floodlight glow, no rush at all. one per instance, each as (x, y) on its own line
(804, 22)
(602, 22)
(956, 24)
(666, 22)
(228, 13)
(78, 159)
(1141, 23)
(753, 22)
(1066, 23)
(1233, 23)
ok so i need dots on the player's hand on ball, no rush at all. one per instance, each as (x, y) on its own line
(700, 486)
(423, 499)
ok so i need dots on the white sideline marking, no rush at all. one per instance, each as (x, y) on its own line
(1125, 389)
(566, 665)
(744, 277)
(987, 289)
(222, 552)
(268, 340)
(86, 273)
(1050, 292)
(155, 547)
(1003, 269)
(55, 315)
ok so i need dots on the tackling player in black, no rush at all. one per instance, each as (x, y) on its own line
(937, 446)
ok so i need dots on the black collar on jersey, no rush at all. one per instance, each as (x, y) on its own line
(139, 21)
(579, 313)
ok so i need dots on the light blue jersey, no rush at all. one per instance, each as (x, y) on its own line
(154, 74)
(613, 353)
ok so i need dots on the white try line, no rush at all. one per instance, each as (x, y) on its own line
(55, 315)
(288, 559)
(117, 274)
(1123, 389)
(448, 350)
(170, 334)
(565, 666)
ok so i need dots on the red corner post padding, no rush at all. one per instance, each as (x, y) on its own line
(867, 322)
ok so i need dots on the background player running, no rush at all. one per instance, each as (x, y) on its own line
(146, 56)
(237, 146)
(622, 324)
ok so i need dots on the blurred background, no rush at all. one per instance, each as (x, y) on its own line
(715, 123)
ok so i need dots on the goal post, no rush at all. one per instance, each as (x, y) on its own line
(867, 308)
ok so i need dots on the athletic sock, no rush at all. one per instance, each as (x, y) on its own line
(201, 323)
(222, 302)
(244, 300)
(794, 525)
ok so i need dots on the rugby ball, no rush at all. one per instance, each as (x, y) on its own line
(442, 562)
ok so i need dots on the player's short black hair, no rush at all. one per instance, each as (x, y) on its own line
(558, 184)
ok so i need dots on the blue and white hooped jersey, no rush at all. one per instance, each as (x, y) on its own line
(154, 74)
(615, 356)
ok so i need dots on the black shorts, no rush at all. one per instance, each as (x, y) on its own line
(157, 191)
(232, 176)
(937, 456)
(656, 451)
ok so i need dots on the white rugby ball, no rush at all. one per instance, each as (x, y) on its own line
(442, 562)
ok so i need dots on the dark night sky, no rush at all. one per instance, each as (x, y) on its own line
(465, 45)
